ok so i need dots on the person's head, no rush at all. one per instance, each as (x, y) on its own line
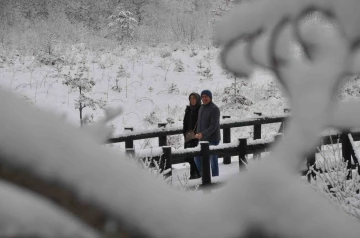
(194, 99)
(206, 96)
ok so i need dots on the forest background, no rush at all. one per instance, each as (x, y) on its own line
(45, 25)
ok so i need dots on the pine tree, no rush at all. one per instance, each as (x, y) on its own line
(123, 23)
(80, 82)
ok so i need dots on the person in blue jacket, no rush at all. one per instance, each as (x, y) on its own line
(208, 129)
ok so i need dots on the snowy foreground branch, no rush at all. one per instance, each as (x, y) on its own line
(111, 195)
(59, 162)
(38, 151)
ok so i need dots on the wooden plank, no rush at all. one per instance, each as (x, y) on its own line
(175, 131)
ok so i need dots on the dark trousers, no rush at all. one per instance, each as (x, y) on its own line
(213, 161)
(193, 169)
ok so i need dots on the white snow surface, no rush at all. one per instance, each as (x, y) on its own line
(26, 214)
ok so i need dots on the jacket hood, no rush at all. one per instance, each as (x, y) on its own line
(198, 99)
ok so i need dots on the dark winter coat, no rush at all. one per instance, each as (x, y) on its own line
(209, 122)
(190, 118)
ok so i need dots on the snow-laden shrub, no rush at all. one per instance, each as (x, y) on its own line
(221, 9)
(179, 66)
(206, 74)
(193, 52)
(151, 118)
(154, 169)
(2, 59)
(209, 56)
(121, 73)
(164, 176)
(331, 180)
(165, 54)
(123, 24)
(165, 64)
(272, 91)
(170, 120)
(47, 59)
(200, 67)
(234, 93)
(236, 99)
(175, 141)
(350, 89)
(173, 88)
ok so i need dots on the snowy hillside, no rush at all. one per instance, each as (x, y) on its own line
(153, 84)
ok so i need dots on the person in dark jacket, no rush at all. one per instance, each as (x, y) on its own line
(189, 123)
(208, 129)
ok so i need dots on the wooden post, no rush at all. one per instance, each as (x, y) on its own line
(205, 163)
(355, 159)
(166, 161)
(282, 125)
(310, 161)
(130, 152)
(257, 135)
(226, 139)
(353, 155)
(162, 139)
(242, 153)
(129, 144)
(346, 151)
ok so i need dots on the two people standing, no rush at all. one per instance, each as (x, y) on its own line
(207, 128)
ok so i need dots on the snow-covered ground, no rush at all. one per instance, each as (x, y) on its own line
(153, 92)
(181, 173)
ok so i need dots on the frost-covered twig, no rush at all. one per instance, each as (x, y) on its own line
(331, 180)
(167, 70)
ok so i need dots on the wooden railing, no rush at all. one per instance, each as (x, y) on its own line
(241, 148)
(167, 156)
(226, 124)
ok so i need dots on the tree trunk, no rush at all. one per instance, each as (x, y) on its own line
(80, 109)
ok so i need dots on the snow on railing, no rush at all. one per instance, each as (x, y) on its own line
(150, 152)
(157, 151)
(224, 123)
